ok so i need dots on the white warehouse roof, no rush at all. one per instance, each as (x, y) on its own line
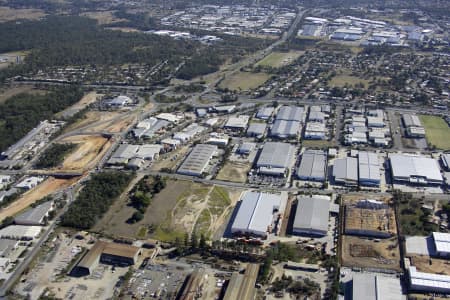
(345, 170)
(311, 216)
(369, 168)
(313, 165)
(19, 232)
(276, 155)
(428, 282)
(442, 242)
(291, 113)
(376, 287)
(415, 169)
(197, 161)
(255, 214)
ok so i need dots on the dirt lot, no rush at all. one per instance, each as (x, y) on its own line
(170, 160)
(437, 266)
(10, 14)
(93, 118)
(234, 172)
(47, 187)
(353, 198)
(89, 151)
(179, 208)
(364, 253)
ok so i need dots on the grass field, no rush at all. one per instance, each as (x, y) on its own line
(279, 59)
(244, 81)
(342, 80)
(437, 131)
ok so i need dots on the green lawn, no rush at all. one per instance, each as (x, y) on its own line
(244, 81)
(437, 131)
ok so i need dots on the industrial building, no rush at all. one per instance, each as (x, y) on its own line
(7, 246)
(413, 126)
(369, 286)
(119, 101)
(189, 132)
(285, 129)
(107, 253)
(275, 158)
(258, 213)
(149, 127)
(35, 216)
(428, 282)
(313, 166)
(196, 163)
(445, 160)
(237, 123)
(291, 113)
(441, 243)
(316, 116)
(125, 153)
(20, 232)
(369, 169)
(315, 131)
(415, 170)
(311, 216)
(256, 129)
(29, 182)
(245, 148)
(265, 113)
(345, 171)
(242, 286)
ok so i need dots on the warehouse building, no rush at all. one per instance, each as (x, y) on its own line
(375, 122)
(291, 113)
(258, 213)
(369, 286)
(30, 182)
(428, 282)
(196, 163)
(107, 253)
(265, 113)
(313, 166)
(369, 169)
(20, 232)
(311, 216)
(285, 129)
(7, 247)
(345, 171)
(245, 148)
(445, 160)
(35, 216)
(256, 129)
(315, 131)
(275, 158)
(242, 286)
(413, 125)
(125, 153)
(189, 132)
(415, 170)
(119, 101)
(441, 243)
(316, 116)
(237, 123)
(149, 127)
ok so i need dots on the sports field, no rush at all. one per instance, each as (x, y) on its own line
(437, 131)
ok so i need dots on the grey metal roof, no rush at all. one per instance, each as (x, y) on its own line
(283, 128)
(256, 212)
(34, 215)
(265, 112)
(291, 113)
(316, 116)
(345, 169)
(256, 128)
(411, 120)
(312, 165)
(409, 167)
(369, 286)
(6, 246)
(369, 166)
(446, 160)
(277, 155)
(312, 213)
(197, 160)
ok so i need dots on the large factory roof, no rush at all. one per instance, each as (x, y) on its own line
(411, 120)
(312, 214)
(291, 113)
(276, 155)
(428, 281)
(345, 169)
(413, 168)
(376, 287)
(369, 167)
(283, 128)
(446, 160)
(197, 160)
(255, 213)
(442, 242)
(312, 165)
(34, 216)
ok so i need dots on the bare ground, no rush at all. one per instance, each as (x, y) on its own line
(234, 172)
(47, 187)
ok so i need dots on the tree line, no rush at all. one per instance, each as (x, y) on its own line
(95, 198)
(54, 155)
(21, 113)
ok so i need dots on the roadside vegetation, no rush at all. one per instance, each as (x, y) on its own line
(54, 155)
(95, 198)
